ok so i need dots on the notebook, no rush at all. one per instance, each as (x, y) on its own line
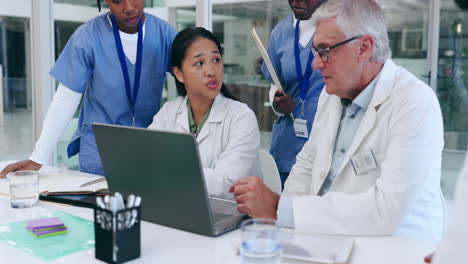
(70, 184)
(71, 187)
(165, 170)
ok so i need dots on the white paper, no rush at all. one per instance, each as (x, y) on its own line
(58, 180)
(315, 249)
(68, 182)
(266, 59)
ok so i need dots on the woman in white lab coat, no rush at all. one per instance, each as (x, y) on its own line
(226, 129)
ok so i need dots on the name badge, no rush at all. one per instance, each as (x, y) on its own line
(300, 127)
(363, 162)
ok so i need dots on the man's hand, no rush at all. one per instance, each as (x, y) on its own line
(282, 102)
(20, 165)
(254, 198)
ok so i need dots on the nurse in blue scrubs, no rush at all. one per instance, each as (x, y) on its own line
(117, 64)
(291, 56)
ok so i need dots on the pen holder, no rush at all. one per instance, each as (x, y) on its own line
(117, 235)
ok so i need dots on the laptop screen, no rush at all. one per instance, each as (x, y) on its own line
(163, 168)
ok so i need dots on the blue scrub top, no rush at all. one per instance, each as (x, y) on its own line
(90, 64)
(285, 145)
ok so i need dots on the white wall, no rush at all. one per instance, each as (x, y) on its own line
(16, 8)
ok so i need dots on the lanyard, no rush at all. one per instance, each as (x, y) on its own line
(302, 80)
(123, 64)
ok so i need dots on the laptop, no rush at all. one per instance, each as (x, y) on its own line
(164, 168)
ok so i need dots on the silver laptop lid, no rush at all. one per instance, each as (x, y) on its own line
(164, 168)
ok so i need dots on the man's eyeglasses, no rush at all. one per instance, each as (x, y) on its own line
(323, 52)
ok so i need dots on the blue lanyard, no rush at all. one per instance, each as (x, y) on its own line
(303, 81)
(123, 64)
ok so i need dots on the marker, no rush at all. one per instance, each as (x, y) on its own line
(137, 201)
(100, 202)
(130, 201)
(119, 201)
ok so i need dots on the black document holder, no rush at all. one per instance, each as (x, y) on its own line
(127, 240)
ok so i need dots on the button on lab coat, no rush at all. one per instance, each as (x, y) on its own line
(402, 196)
(228, 141)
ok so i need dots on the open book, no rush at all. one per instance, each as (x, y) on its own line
(72, 183)
(55, 181)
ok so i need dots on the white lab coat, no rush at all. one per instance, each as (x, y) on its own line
(403, 128)
(228, 141)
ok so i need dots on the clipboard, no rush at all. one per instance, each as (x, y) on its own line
(266, 59)
(268, 63)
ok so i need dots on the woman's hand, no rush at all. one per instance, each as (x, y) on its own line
(20, 165)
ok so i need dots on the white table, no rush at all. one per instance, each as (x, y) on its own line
(166, 245)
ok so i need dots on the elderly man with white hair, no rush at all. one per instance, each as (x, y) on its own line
(372, 164)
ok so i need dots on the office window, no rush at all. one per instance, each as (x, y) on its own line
(16, 139)
(185, 18)
(452, 90)
(407, 23)
(232, 24)
(63, 31)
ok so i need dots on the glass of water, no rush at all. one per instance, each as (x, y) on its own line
(260, 241)
(24, 188)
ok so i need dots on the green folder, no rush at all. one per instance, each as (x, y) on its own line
(48, 234)
(79, 236)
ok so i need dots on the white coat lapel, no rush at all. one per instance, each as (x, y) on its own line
(216, 114)
(382, 90)
(182, 116)
(364, 128)
(328, 128)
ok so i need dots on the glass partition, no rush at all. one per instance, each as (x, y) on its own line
(452, 90)
(232, 24)
(16, 134)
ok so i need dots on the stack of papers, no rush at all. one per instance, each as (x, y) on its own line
(46, 227)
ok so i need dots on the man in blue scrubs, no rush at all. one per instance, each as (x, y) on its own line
(117, 63)
(290, 53)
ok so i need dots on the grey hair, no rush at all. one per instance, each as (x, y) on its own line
(357, 18)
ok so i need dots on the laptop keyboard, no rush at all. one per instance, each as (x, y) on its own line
(219, 217)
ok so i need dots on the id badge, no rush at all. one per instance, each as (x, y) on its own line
(300, 127)
(363, 162)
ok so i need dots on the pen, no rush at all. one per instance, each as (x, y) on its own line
(137, 201)
(113, 208)
(100, 203)
(93, 182)
(130, 201)
(119, 201)
(106, 202)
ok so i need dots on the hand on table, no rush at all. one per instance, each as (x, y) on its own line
(20, 165)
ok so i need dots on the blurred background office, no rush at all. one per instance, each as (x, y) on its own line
(428, 37)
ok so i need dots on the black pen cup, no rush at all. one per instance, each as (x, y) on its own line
(117, 236)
